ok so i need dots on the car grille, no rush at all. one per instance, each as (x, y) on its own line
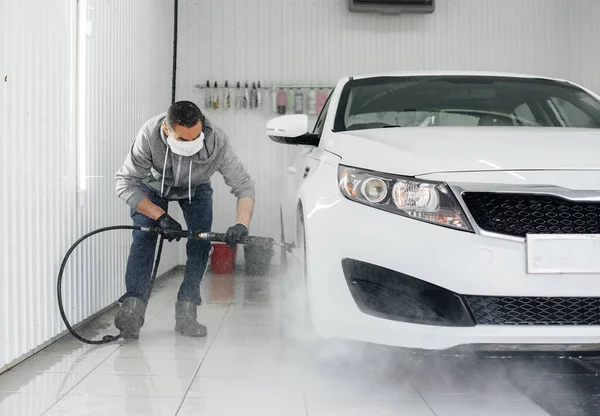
(522, 214)
(493, 310)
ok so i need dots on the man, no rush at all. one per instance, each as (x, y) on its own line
(172, 159)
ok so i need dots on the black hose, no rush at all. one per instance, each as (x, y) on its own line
(107, 338)
(264, 241)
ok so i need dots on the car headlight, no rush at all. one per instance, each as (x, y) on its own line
(422, 200)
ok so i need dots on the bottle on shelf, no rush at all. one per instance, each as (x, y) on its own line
(238, 96)
(291, 100)
(227, 96)
(246, 96)
(216, 101)
(253, 96)
(281, 101)
(299, 101)
(207, 95)
(259, 96)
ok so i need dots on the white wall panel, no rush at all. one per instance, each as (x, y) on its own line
(128, 81)
(319, 41)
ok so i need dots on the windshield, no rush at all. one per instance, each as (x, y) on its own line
(429, 101)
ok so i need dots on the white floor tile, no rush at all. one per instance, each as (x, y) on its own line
(48, 363)
(103, 406)
(178, 351)
(73, 347)
(246, 407)
(149, 366)
(258, 318)
(38, 383)
(256, 313)
(126, 385)
(351, 408)
(240, 369)
(246, 329)
(232, 352)
(243, 388)
(167, 336)
(486, 408)
(17, 404)
(247, 339)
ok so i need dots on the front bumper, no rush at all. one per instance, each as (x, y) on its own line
(458, 262)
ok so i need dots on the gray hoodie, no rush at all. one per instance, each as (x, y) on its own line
(151, 162)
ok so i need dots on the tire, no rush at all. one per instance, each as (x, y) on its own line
(296, 324)
(284, 259)
(302, 284)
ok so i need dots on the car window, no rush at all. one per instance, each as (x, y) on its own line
(524, 113)
(570, 114)
(468, 101)
(320, 123)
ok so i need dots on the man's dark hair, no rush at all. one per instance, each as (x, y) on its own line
(184, 114)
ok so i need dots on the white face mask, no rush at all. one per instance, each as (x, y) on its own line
(185, 148)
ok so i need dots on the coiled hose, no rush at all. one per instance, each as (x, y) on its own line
(216, 237)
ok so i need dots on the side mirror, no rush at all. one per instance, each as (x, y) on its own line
(292, 129)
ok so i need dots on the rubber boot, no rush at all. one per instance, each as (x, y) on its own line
(130, 317)
(185, 320)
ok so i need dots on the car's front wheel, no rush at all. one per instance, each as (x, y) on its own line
(296, 316)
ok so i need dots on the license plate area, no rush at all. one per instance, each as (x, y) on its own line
(563, 253)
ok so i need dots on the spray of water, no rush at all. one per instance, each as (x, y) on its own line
(372, 372)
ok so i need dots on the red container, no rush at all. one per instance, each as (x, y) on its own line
(222, 260)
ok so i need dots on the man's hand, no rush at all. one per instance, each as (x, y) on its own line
(167, 223)
(236, 234)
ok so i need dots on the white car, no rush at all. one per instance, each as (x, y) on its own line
(449, 209)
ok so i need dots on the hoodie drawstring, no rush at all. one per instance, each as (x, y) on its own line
(162, 185)
(190, 183)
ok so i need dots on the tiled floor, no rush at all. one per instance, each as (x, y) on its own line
(246, 367)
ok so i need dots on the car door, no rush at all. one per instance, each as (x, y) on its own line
(304, 161)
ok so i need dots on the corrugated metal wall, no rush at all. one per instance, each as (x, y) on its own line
(319, 41)
(128, 80)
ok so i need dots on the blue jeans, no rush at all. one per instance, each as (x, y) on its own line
(198, 215)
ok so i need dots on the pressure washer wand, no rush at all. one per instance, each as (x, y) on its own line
(220, 238)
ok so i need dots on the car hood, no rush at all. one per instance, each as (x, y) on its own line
(425, 150)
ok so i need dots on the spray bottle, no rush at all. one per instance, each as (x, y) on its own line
(299, 101)
(207, 96)
(246, 96)
(281, 101)
(227, 95)
(216, 97)
(291, 100)
(253, 96)
(238, 96)
(259, 96)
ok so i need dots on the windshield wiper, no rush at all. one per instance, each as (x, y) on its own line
(387, 126)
